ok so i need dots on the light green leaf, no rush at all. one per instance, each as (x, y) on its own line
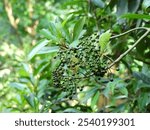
(74, 44)
(52, 29)
(47, 34)
(136, 16)
(89, 94)
(95, 100)
(78, 28)
(37, 49)
(71, 110)
(104, 40)
(46, 50)
(26, 67)
(146, 4)
(124, 91)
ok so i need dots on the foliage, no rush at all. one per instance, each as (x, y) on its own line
(46, 47)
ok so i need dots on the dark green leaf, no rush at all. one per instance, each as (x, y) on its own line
(32, 101)
(142, 77)
(143, 100)
(122, 8)
(133, 5)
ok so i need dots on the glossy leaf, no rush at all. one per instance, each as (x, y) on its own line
(46, 50)
(47, 34)
(37, 48)
(52, 29)
(78, 28)
(89, 94)
(32, 101)
(104, 40)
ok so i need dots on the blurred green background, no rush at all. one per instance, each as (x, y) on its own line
(26, 73)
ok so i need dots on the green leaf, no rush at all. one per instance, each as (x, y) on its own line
(120, 97)
(47, 34)
(146, 69)
(74, 44)
(52, 29)
(26, 67)
(71, 110)
(124, 91)
(98, 3)
(104, 40)
(42, 88)
(122, 8)
(143, 100)
(36, 49)
(32, 101)
(89, 94)
(95, 100)
(65, 33)
(136, 16)
(46, 50)
(78, 28)
(69, 18)
(41, 68)
(133, 5)
(142, 77)
(109, 89)
(19, 86)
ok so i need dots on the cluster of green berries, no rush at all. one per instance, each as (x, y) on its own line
(79, 64)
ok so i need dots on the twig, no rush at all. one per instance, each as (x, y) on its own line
(126, 52)
(116, 36)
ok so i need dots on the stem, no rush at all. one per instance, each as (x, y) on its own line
(128, 32)
(130, 49)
